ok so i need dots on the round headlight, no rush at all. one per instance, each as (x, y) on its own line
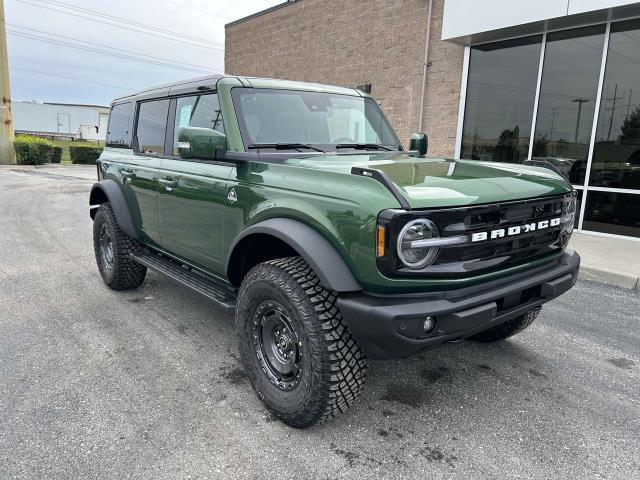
(409, 250)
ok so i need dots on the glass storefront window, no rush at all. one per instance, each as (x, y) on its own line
(499, 110)
(566, 105)
(500, 99)
(616, 156)
(617, 213)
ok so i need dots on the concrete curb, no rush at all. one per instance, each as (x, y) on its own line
(617, 279)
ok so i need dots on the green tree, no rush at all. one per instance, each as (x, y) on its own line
(631, 127)
(508, 146)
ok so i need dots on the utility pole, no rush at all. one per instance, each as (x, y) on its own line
(7, 155)
(579, 101)
(629, 105)
(554, 112)
(613, 111)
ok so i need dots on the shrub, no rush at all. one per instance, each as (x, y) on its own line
(46, 151)
(56, 157)
(32, 150)
(84, 154)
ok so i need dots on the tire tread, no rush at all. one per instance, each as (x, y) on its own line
(128, 273)
(344, 366)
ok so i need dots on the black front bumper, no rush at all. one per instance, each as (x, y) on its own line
(391, 326)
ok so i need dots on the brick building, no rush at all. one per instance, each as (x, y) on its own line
(552, 83)
(332, 41)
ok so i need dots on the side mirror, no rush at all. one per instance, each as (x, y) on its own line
(419, 143)
(202, 143)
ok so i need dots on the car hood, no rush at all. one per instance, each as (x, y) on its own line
(438, 182)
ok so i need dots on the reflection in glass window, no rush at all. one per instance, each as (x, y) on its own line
(119, 132)
(609, 212)
(152, 125)
(616, 157)
(500, 99)
(579, 194)
(201, 111)
(571, 68)
(326, 119)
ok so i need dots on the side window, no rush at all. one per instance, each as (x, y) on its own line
(196, 112)
(152, 126)
(120, 122)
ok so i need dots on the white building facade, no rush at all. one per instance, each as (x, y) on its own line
(556, 83)
(87, 122)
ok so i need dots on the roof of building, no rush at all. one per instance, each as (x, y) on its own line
(261, 12)
(63, 104)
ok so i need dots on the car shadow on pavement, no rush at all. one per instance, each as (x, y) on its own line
(450, 375)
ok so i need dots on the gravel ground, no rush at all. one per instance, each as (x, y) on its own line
(147, 383)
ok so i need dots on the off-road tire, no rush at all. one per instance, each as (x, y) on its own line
(123, 273)
(332, 366)
(508, 328)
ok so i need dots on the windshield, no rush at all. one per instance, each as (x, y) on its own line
(271, 118)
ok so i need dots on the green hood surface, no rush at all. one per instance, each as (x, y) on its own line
(434, 182)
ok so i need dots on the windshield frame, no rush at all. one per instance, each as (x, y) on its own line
(330, 147)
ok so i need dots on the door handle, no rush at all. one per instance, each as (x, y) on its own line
(167, 183)
(127, 175)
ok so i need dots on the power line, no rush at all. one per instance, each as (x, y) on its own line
(13, 67)
(120, 26)
(55, 35)
(105, 52)
(201, 10)
(88, 11)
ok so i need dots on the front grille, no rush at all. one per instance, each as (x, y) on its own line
(491, 254)
(510, 250)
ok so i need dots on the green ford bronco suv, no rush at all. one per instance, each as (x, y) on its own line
(295, 207)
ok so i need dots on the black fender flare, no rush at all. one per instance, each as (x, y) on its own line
(330, 267)
(111, 191)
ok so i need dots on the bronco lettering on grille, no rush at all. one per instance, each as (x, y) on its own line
(515, 230)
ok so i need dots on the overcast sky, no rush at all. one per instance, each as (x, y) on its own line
(168, 40)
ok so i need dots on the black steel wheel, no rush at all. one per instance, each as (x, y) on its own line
(299, 356)
(276, 345)
(105, 247)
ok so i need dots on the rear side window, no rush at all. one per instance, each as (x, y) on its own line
(152, 126)
(120, 122)
(202, 111)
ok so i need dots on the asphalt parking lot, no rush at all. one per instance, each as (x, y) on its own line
(147, 383)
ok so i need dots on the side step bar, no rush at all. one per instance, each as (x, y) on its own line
(208, 287)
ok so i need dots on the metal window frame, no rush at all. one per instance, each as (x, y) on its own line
(464, 85)
(536, 101)
(594, 126)
(585, 187)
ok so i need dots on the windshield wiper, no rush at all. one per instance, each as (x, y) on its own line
(364, 146)
(285, 146)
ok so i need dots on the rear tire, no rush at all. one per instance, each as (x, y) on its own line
(299, 356)
(508, 328)
(113, 251)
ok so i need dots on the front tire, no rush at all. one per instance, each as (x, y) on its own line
(508, 328)
(113, 251)
(299, 356)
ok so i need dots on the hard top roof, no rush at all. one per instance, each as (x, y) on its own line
(210, 82)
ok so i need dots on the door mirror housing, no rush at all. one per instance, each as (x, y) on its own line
(419, 143)
(200, 143)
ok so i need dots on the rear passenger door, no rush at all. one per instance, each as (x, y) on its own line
(193, 191)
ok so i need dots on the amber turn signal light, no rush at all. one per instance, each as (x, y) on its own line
(380, 246)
